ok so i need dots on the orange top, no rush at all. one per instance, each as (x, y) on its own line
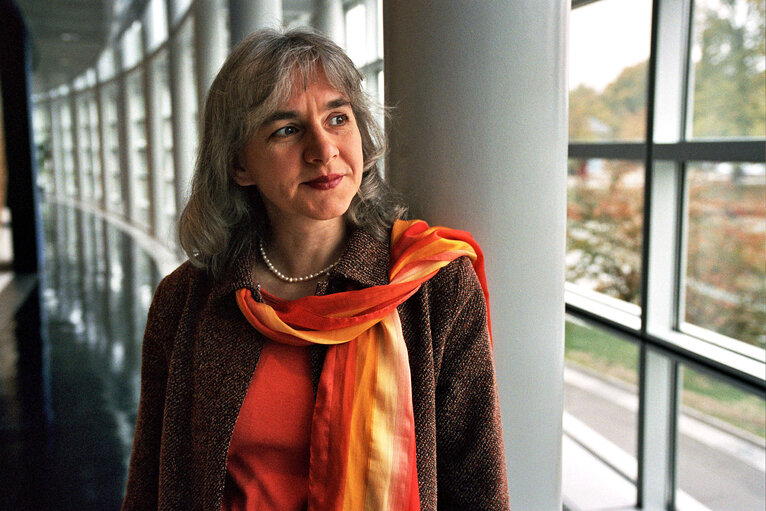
(268, 461)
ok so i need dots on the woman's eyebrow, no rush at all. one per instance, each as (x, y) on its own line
(282, 115)
(337, 103)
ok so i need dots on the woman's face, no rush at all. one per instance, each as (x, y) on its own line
(306, 158)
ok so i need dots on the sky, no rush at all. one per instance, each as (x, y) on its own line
(605, 38)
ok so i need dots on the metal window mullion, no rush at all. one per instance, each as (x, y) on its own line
(658, 432)
(728, 150)
(658, 403)
(682, 210)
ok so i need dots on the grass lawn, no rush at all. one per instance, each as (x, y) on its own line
(613, 357)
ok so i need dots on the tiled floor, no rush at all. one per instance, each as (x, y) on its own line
(69, 367)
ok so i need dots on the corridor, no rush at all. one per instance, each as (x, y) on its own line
(69, 379)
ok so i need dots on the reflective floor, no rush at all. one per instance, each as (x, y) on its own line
(69, 367)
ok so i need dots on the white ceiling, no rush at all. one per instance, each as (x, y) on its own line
(67, 36)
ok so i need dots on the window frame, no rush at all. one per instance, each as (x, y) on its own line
(664, 342)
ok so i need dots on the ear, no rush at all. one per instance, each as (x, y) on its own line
(241, 176)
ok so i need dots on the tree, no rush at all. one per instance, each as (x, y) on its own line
(729, 98)
(618, 113)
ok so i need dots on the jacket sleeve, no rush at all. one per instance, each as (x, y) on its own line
(161, 325)
(470, 455)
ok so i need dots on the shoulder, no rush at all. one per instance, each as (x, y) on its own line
(174, 295)
(175, 289)
(456, 283)
(183, 277)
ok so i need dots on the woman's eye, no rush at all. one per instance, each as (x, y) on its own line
(338, 120)
(285, 131)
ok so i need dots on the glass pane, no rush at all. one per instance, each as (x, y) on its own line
(43, 147)
(728, 62)
(85, 149)
(609, 51)
(600, 419)
(726, 250)
(188, 115)
(721, 454)
(111, 140)
(157, 27)
(131, 45)
(138, 158)
(604, 222)
(95, 149)
(67, 148)
(356, 35)
(165, 139)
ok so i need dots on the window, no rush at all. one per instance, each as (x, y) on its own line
(111, 140)
(728, 85)
(666, 255)
(139, 178)
(726, 236)
(607, 96)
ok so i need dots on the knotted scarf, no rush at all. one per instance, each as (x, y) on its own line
(363, 430)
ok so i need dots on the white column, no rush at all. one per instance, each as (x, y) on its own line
(248, 15)
(210, 43)
(329, 19)
(479, 142)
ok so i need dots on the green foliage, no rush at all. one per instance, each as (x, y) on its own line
(726, 250)
(601, 352)
(726, 244)
(729, 97)
(604, 223)
(618, 113)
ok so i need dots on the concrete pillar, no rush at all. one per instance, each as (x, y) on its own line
(22, 194)
(248, 15)
(329, 19)
(210, 43)
(479, 142)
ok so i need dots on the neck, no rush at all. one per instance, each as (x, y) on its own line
(298, 250)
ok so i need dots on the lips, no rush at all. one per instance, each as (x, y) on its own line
(327, 182)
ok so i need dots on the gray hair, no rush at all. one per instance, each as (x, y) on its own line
(222, 218)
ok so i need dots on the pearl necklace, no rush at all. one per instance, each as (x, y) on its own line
(285, 278)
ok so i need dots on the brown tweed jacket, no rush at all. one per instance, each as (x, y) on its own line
(199, 354)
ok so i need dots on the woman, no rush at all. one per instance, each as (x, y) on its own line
(315, 352)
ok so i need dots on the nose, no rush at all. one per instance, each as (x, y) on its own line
(320, 146)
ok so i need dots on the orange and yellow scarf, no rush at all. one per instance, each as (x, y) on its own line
(363, 430)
